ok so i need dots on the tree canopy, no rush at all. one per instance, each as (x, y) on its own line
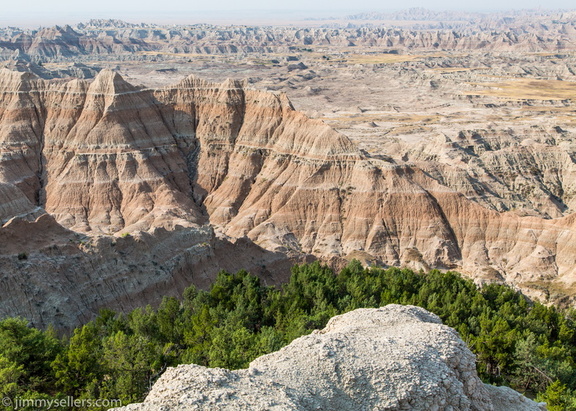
(525, 345)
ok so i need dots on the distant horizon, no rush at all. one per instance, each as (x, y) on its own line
(38, 18)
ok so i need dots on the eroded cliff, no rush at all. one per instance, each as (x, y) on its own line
(156, 170)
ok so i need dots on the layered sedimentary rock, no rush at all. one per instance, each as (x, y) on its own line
(390, 358)
(497, 32)
(165, 166)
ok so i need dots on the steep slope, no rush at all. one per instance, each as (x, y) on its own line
(167, 166)
(111, 161)
(97, 157)
(21, 131)
(390, 358)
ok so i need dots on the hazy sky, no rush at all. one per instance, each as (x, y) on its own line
(74, 11)
(195, 5)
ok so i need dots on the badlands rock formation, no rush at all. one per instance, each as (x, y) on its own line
(390, 358)
(528, 31)
(134, 182)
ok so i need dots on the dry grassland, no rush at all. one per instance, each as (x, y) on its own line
(528, 89)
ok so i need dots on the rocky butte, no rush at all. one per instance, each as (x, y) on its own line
(390, 358)
(124, 194)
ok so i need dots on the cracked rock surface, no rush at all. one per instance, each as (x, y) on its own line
(390, 358)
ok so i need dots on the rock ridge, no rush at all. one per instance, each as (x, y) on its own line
(525, 31)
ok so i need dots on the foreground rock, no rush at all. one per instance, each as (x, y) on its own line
(391, 358)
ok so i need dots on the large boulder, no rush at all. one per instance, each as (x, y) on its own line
(390, 358)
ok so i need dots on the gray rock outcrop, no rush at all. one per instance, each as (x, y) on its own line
(391, 358)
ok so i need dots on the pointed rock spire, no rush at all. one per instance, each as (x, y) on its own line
(110, 82)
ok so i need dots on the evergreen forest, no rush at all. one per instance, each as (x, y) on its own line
(522, 344)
